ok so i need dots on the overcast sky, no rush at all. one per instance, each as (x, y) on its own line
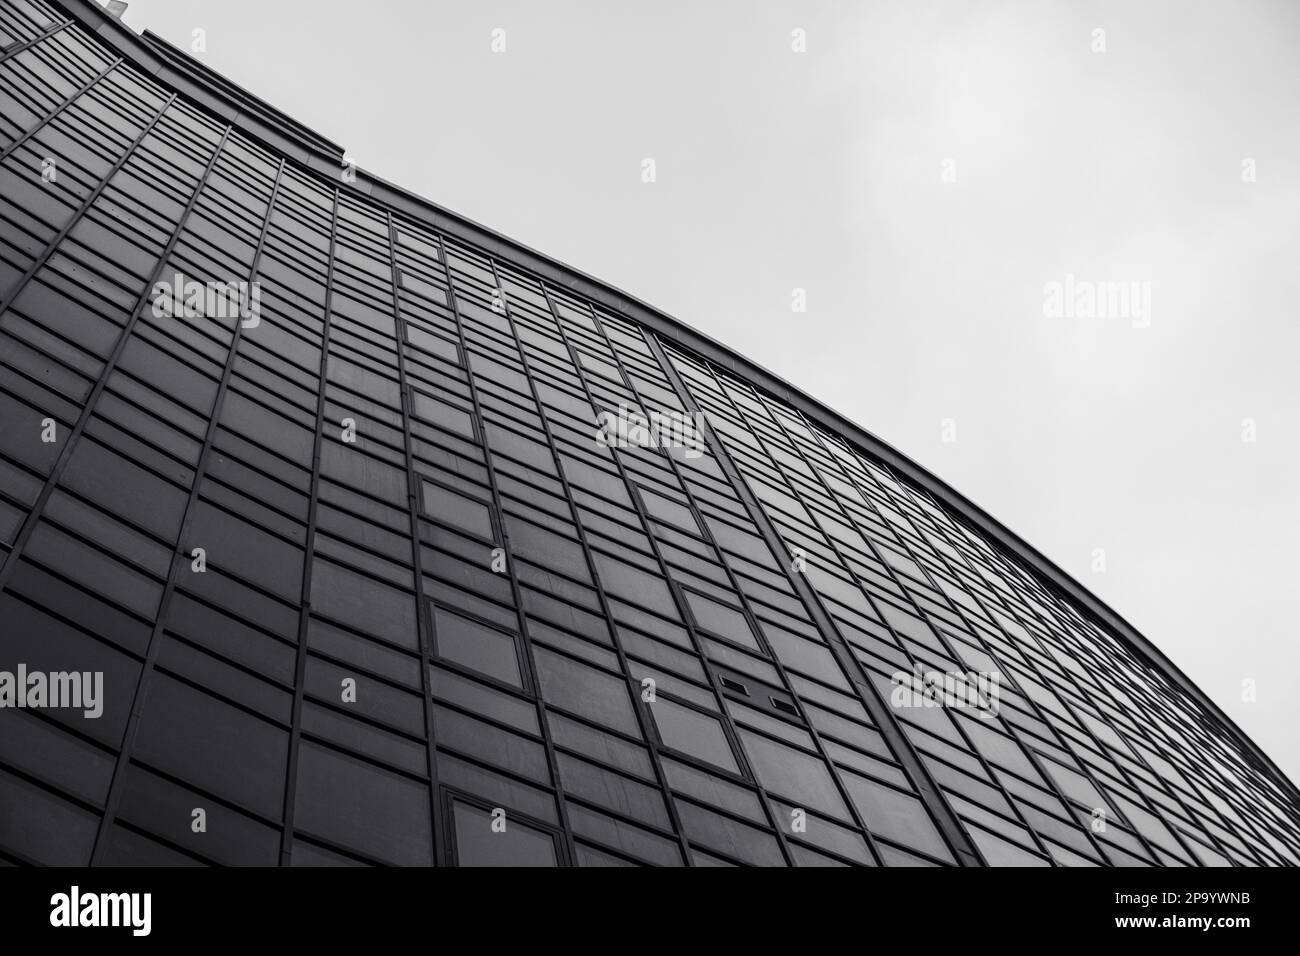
(923, 171)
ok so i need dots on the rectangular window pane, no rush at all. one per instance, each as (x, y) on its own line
(722, 620)
(894, 815)
(480, 843)
(457, 510)
(476, 646)
(664, 509)
(694, 733)
(794, 774)
(443, 415)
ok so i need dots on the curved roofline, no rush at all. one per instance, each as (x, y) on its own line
(226, 100)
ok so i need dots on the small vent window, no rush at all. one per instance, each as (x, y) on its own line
(734, 685)
(784, 706)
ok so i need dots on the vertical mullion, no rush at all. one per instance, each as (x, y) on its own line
(838, 507)
(54, 114)
(179, 555)
(926, 788)
(423, 627)
(1031, 754)
(1068, 678)
(724, 717)
(1084, 729)
(776, 663)
(494, 490)
(65, 454)
(309, 546)
(32, 41)
(1143, 798)
(530, 661)
(89, 201)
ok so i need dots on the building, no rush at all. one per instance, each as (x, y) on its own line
(375, 537)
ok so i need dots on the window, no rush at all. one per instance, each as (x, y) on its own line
(167, 374)
(595, 784)
(94, 569)
(812, 659)
(420, 245)
(113, 536)
(733, 685)
(125, 489)
(213, 745)
(747, 843)
(254, 420)
(376, 700)
(998, 748)
(827, 835)
(794, 774)
(359, 736)
(457, 510)
(476, 646)
(547, 549)
(691, 732)
(483, 700)
(510, 752)
(481, 843)
(1074, 784)
(363, 472)
(356, 804)
(722, 620)
(1000, 852)
(433, 344)
(443, 415)
(894, 815)
(496, 790)
(911, 626)
(667, 510)
(635, 585)
(32, 812)
(363, 603)
(600, 745)
(595, 695)
(784, 706)
(246, 550)
(161, 806)
(428, 290)
(713, 790)
(48, 644)
(599, 366)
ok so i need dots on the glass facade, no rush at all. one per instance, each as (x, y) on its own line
(421, 553)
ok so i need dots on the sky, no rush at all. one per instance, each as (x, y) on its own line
(938, 179)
